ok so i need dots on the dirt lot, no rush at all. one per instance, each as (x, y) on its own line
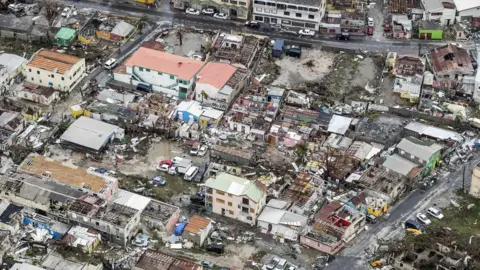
(312, 66)
(191, 42)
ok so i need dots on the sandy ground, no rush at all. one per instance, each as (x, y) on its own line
(191, 42)
(295, 71)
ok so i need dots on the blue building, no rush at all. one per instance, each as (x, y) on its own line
(189, 111)
(56, 229)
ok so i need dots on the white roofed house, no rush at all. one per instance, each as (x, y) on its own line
(467, 9)
(10, 66)
(276, 220)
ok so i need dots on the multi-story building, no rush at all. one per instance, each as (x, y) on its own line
(235, 9)
(160, 71)
(52, 69)
(440, 10)
(475, 186)
(235, 197)
(290, 13)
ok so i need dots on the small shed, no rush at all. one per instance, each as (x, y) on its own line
(278, 48)
(121, 31)
(198, 229)
(64, 36)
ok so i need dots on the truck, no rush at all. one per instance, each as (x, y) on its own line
(183, 165)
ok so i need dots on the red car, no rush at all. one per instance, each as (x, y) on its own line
(370, 30)
(167, 161)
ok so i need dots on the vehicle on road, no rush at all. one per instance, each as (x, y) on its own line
(276, 26)
(370, 30)
(192, 11)
(207, 264)
(222, 16)
(306, 32)
(167, 162)
(190, 174)
(272, 263)
(435, 213)
(208, 11)
(343, 36)
(202, 151)
(412, 224)
(422, 218)
(144, 87)
(371, 218)
(370, 22)
(252, 24)
(159, 181)
(163, 167)
(110, 64)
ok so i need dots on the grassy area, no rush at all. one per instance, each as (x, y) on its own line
(459, 228)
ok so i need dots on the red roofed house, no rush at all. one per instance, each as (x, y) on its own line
(335, 224)
(450, 62)
(219, 83)
(163, 72)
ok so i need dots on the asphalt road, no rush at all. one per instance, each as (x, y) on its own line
(206, 22)
(354, 257)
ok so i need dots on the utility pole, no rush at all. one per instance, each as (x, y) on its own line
(463, 178)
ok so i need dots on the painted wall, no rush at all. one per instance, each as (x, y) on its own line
(436, 34)
(62, 82)
(36, 98)
(329, 248)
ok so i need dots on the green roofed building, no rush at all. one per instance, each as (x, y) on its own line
(65, 36)
(235, 197)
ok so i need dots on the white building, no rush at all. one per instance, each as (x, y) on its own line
(38, 94)
(10, 66)
(290, 13)
(440, 10)
(52, 69)
(163, 72)
(467, 9)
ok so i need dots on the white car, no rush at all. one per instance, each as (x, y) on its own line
(202, 151)
(176, 160)
(163, 167)
(423, 219)
(192, 11)
(222, 16)
(434, 213)
(306, 32)
(208, 11)
(173, 170)
(370, 22)
(65, 12)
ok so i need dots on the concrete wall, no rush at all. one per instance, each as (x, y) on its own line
(62, 82)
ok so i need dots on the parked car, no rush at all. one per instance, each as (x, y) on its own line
(207, 264)
(252, 24)
(163, 167)
(219, 249)
(192, 11)
(173, 170)
(208, 11)
(423, 219)
(343, 36)
(202, 168)
(370, 22)
(176, 160)
(434, 213)
(222, 16)
(272, 263)
(110, 64)
(306, 32)
(371, 218)
(159, 181)
(65, 12)
(101, 170)
(197, 199)
(276, 26)
(281, 264)
(414, 225)
(202, 151)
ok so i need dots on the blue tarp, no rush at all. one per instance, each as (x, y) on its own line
(179, 229)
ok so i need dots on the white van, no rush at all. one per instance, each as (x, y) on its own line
(190, 174)
(110, 64)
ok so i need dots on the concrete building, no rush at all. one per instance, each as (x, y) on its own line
(475, 185)
(163, 72)
(275, 219)
(90, 135)
(198, 229)
(467, 9)
(218, 84)
(13, 63)
(450, 62)
(235, 197)
(38, 94)
(440, 10)
(52, 69)
(10, 216)
(154, 260)
(83, 238)
(290, 13)
(423, 152)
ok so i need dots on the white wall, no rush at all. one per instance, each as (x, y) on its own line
(448, 14)
(473, 12)
(199, 87)
(62, 82)
(274, 12)
(36, 98)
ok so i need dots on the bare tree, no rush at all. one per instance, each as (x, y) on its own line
(51, 9)
(180, 37)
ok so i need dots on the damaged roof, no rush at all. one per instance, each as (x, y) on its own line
(339, 124)
(237, 186)
(122, 29)
(197, 223)
(450, 58)
(418, 148)
(53, 61)
(282, 217)
(154, 260)
(399, 164)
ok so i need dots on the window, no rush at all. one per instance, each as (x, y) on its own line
(252, 210)
(436, 13)
(40, 81)
(233, 2)
(273, 20)
(249, 218)
(311, 16)
(259, 10)
(225, 1)
(220, 192)
(33, 79)
(286, 22)
(242, 3)
(298, 15)
(230, 204)
(29, 70)
(97, 223)
(286, 13)
(172, 77)
(220, 201)
(303, 8)
(230, 195)
(230, 212)
(38, 72)
(160, 73)
(245, 201)
(25, 95)
(310, 25)
(118, 237)
(63, 79)
(313, 9)
(148, 70)
(245, 210)
(281, 6)
(140, 68)
(271, 4)
(53, 76)
(291, 7)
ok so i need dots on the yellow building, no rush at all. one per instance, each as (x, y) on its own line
(32, 114)
(210, 117)
(76, 111)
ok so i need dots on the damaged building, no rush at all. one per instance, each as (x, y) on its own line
(236, 49)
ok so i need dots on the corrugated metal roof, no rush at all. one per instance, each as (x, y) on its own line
(197, 223)
(399, 164)
(122, 29)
